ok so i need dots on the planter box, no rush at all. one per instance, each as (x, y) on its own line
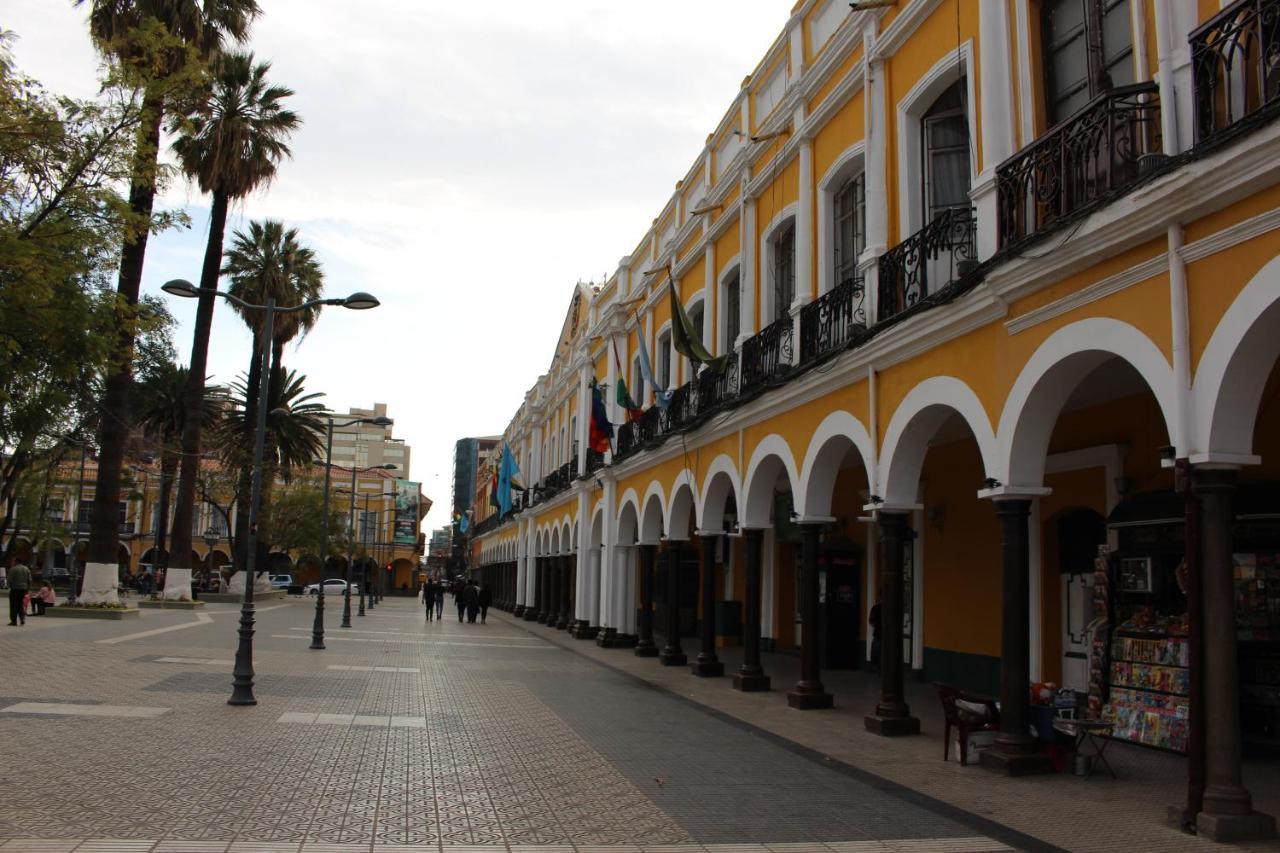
(170, 605)
(65, 612)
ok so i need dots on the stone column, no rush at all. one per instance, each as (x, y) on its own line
(547, 606)
(672, 654)
(809, 692)
(590, 606)
(893, 715)
(1227, 814)
(645, 647)
(1016, 752)
(567, 568)
(751, 677)
(533, 607)
(555, 566)
(707, 664)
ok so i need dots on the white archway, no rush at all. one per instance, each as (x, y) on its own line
(1049, 378)
(628, 518)
(915, 422)
(1233, 371)
(680, 509)
(651, 521)
(720, 484)
(770, 457)
(832, 440)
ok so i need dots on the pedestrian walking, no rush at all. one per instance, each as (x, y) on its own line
(486, 599)
(429, 598)
(460, 600)
(471, 595)
(440, 600)
(19, 583)
(43, 598)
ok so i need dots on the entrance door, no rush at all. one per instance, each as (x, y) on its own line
(1077, 601)
(838, 585)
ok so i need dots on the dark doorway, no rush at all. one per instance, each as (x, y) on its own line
(839, 582)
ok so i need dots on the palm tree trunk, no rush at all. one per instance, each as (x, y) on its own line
(246, 469)
(168, 464)
(104, 530)
(184, 513)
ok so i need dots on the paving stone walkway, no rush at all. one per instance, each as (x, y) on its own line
(407, 735)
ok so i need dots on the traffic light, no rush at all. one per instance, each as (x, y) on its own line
(388, 567)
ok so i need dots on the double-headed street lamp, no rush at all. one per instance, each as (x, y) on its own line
(317, 628)
(242, 674)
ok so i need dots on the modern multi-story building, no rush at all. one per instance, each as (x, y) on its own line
(467, 453)
(993, 289)
(365, 445)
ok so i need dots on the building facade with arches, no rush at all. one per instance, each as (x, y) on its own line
(998, 300)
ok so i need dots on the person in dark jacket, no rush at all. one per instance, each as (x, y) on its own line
(439, 599)
(485, 599)
(471, 595)
(460, 600)
(19, 583)
(429, 598)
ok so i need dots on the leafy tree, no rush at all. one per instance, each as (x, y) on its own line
(293, 520)
(160, 47)
(230, 145)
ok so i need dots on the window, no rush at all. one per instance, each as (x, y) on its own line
(945, 129)
(573, 436)
(664, 360)
(1088, 49)
(122, 517)
(732, 309)
(851, 227)
(636, 385)
(696, 317)
(84, 511)
(784, 270)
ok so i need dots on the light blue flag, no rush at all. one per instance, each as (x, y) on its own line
(508, 472)
(464, 524)
(646, 371)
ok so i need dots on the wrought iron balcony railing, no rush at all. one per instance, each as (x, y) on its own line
(1079, 163)
(766, 356)
(831, 321)
(1235, 61)
(626, 441)
(595, 460)
(681, 410)
(717, 388)
(942, 252)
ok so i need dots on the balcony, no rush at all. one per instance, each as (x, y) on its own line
(717, 389)
(595, 460)
(833, 320)
(1234, 64)
(1079, 163)
(766, 356)
(939, 254)
(681, 410)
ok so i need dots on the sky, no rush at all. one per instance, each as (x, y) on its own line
(466, 163)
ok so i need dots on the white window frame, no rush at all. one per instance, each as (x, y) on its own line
(770, 313)
(698, 301)
(851, 162)
(910, 111)
(731, 269)
(671, 381)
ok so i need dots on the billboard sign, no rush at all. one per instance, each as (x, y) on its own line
(407, 512)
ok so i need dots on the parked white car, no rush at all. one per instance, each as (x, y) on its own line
(333, 586)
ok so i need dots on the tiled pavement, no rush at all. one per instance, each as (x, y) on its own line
(440, 736)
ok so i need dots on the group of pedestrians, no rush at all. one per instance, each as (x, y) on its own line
(472, 600)
(22, 599)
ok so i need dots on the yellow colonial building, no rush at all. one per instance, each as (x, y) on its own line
(997, 284)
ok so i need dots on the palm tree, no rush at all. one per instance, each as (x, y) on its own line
(152, 43)
(163, 416)
(293, 440)
(269, 262)
(230, 146)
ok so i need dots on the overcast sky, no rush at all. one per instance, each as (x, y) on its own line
(464, 162)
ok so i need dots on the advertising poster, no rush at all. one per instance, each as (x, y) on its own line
(406, 512)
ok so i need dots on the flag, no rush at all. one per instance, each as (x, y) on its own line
(621, 393)
(601, 431)
(506, 474)
(628, 405)
(662, 395)
(684, 335)
(464, 525)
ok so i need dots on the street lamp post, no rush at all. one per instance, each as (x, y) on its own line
(317, 628)
(242, 674)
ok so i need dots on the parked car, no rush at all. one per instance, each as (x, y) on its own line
(333, 586)
(284, 582)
